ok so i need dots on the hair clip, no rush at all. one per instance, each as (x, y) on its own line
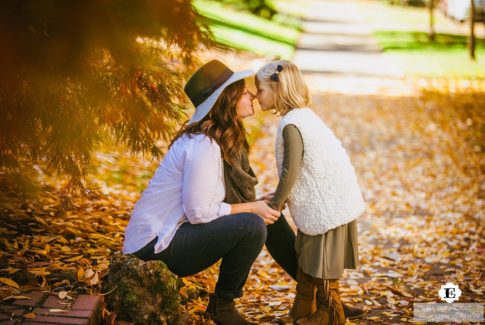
(275, 76)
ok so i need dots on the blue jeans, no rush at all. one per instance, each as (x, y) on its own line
(237, 239)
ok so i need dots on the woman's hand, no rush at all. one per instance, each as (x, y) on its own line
(259, 208)
(262, 209)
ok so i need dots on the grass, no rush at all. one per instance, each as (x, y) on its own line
(402, 34)
(381, 13)
(447, 56)
(296, 8)
(419, 41)
(248, 32)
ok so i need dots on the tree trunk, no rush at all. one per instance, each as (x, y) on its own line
(471, 39)
(431, 34)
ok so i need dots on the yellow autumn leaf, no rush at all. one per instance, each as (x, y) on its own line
(80, 274)
(9, 282)
(10, 270)
(74, 259)
(42, 271)
(40, 220)
(16, 297)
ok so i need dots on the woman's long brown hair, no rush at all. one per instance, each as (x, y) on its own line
(222, 125)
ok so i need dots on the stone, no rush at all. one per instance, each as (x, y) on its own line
(142, 292)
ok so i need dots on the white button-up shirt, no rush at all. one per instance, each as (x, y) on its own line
(188, 186)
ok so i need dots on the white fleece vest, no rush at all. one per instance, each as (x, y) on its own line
(326, 194)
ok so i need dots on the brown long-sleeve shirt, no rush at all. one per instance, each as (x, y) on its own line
(292, 158)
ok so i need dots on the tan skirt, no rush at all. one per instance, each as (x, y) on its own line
(326, 256)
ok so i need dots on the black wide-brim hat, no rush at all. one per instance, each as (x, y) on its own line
(207, 84)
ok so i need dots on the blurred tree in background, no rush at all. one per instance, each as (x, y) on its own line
(261, 8)
(471, 37)
(75, 73)
(431, 33)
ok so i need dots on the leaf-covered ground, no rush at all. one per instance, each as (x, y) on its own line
(419, 155)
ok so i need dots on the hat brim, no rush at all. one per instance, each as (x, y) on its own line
(205, 107)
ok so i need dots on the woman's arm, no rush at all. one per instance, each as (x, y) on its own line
(201, 178)
(293, 154)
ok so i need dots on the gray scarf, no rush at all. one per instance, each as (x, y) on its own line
(240, 181)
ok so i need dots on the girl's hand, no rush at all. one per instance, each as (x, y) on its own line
(262, 209)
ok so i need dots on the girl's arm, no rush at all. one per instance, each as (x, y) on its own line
(292, 158)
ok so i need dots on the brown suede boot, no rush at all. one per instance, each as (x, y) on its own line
(223, 312)
(305, 302)
(335, 304)
(320, 317)
(329, 307)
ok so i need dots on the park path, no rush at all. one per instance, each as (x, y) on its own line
(336, 39)
(337, 53)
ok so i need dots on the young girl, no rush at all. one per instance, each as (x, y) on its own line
(319, 183)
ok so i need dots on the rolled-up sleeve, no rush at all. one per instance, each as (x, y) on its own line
(202, 176)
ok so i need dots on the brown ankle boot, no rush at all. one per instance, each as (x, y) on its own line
(329, 307)
(320, 317)
(305, 302)
(335, 304)
(223, 312)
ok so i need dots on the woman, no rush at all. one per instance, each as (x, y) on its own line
(181, 218)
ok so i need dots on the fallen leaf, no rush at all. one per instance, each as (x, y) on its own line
(279, 287)
(80, 274)
(74, 259)
(88, 274)
(16, 298)
(10, 270)
(9, 282)
(29, 315)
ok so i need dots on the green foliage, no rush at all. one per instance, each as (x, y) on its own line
(419, 41)
(78, 72)
(446, 56)
(245, 31)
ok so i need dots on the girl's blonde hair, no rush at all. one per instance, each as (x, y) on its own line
(289, 89)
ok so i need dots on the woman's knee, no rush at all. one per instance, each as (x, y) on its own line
(255, 226)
